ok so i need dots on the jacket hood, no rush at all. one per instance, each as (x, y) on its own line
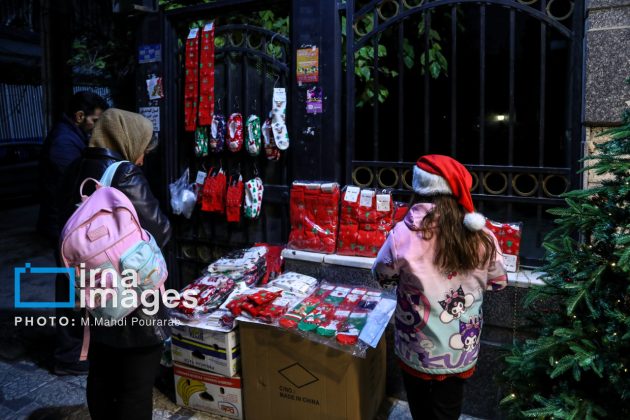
(416, 213)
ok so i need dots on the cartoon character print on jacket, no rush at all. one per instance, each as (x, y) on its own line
(468, 337)
(412, 314)
(455, 304)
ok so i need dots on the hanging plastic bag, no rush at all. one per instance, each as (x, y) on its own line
(183, 196)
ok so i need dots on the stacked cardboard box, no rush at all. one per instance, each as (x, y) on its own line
(290, 377)
(207, 367)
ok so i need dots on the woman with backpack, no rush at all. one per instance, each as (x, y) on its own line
(443, 259)
(123, 360)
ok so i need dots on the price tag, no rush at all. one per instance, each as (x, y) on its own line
(366, 198)
(279, 94)
(510, 262)
(352, 193)
(208, 26)
(193, 33)
(201, 177)
(382, 202)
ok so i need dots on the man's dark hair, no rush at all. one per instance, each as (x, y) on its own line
(87, 102)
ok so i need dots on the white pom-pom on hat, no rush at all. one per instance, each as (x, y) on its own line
(474, 221)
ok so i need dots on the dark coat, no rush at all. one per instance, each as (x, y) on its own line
(130, 180)
(63, 145)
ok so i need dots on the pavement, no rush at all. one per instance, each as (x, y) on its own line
(28, 389)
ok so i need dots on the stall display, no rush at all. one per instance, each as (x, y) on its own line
(509, 237)
(314, 213)
(366, 217)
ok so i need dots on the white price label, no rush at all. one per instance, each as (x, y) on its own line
(201, 177)
(366, 198)
(382, 202)
(193, 33)
(352, 194)
(279, 94)
(208, 26)
(510, 262)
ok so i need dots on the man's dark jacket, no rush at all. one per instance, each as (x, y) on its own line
(62, 146)
(131, 181)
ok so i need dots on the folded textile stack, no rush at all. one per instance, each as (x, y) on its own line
(263, 304)
(246, 266)
(297, 283)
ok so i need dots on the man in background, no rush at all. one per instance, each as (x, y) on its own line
(63, 145)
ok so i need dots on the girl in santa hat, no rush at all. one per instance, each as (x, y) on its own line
(444, 259)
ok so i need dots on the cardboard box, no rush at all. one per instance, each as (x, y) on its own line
(205, 391)
(286, 376)
(205, 349)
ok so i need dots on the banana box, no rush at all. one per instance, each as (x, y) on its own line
(214, 351)
(205, 391)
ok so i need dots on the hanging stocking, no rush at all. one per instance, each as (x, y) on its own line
(234, 200)
(253, 198)
(217, 134)
(253, 135)
(201, 141)
(191, 87)
(271, 150)
(206, 75)
(214, 192)
(235, 132)
(278, 119)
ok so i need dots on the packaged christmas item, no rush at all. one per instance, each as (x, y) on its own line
(183, 196)
(253, 135)
(216, 141)
(210, 292)
(274, 262)
(214, 189)
(367, 216)
(191, 81)
(295, 315)
(314, 214)
(234, 199)
(509, 237)
(297, 283)
(246, 266)
(253, 198)
(206, 75)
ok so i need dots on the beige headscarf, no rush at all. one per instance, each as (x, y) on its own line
(124, 132)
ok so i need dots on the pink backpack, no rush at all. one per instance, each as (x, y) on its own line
(104, 233)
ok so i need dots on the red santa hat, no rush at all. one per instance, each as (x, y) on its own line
(438, 174)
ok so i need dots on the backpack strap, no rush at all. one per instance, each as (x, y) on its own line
(108, 176)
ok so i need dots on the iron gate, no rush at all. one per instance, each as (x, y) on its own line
(249, 62)
(504, 98)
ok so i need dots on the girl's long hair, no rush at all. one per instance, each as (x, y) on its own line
(456, 247)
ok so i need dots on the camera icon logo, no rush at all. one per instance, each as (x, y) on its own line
(17, 273)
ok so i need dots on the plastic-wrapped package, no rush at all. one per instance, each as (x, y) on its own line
(244, 265)
(367, 216)
(297, 283)
(183, 195)
(211, 292)
(338, 315)
(314, 214)
(509, 237)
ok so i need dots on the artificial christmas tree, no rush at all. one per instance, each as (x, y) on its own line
(578, 367)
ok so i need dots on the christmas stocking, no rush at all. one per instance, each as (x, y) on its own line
(271, 150)
(191, 82)
(217, 134)
(206, 75)
(295, 315)
(253, 135)
(330, 328)
(349, 333)
(201, 141)
(235, 132)
(253, 198)
(234, 200)
(320, 315)
(278, 122)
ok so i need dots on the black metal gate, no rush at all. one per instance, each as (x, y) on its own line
(249, 62)
(501, 92)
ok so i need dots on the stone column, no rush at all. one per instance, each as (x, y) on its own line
(607, 66)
